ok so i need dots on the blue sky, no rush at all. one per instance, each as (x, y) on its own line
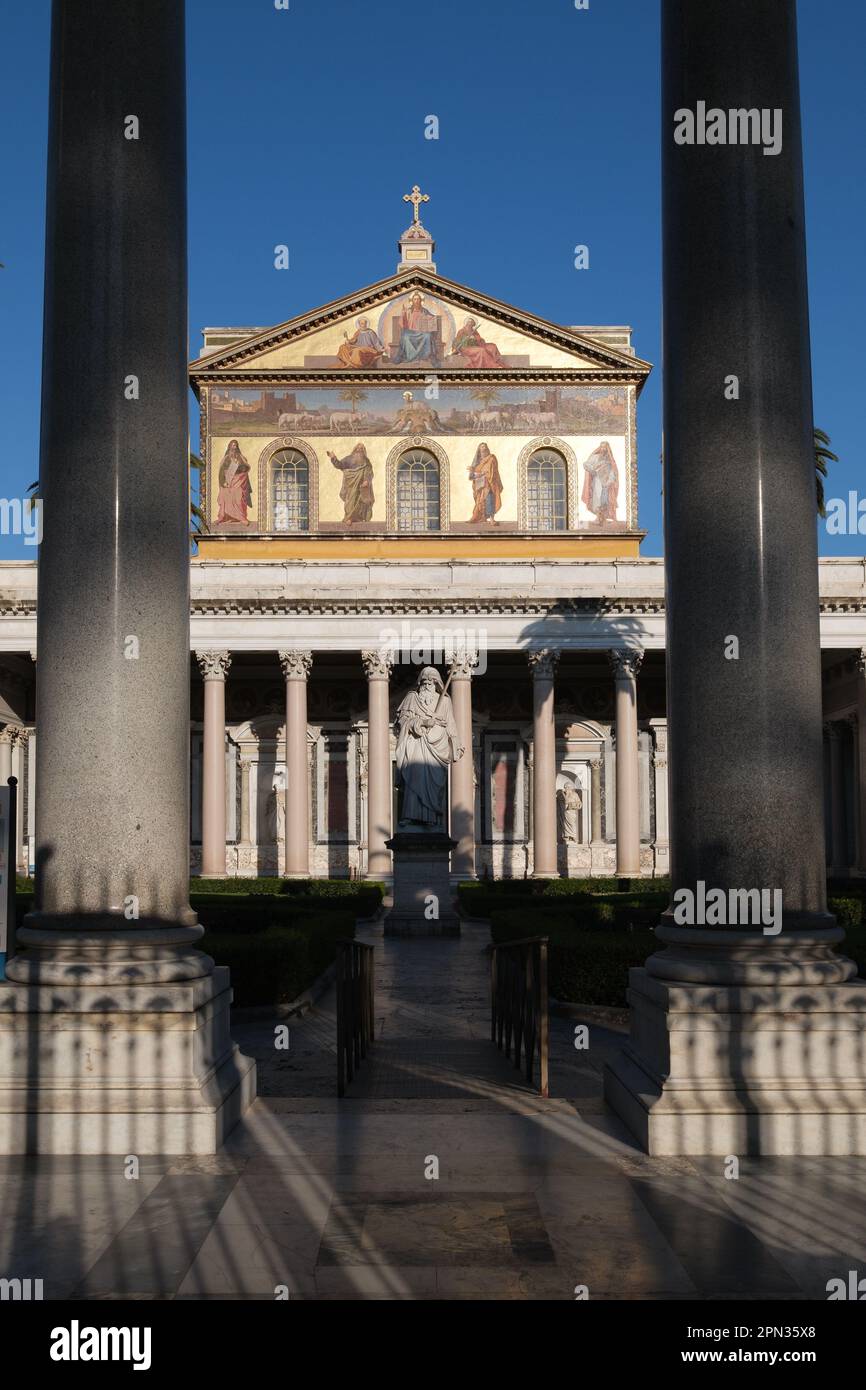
(306, 126)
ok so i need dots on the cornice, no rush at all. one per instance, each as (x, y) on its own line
(448, 376)
(290, 604)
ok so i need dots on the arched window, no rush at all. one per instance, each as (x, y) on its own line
(290, 491)
(546, 491)
(417, 498)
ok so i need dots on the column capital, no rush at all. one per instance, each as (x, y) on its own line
(378, 664)
(595, 763)
(543, 663)
(625, 662)
(296, 665)
(245, 761)
(214, 665)
(462, 664)
(22, 735)
(9, 734)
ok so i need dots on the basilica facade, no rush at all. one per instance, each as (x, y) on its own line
(417, 474)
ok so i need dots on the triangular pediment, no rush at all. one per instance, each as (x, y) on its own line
(410, 322)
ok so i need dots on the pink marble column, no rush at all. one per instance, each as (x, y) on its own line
(463, 771)
(626, 664)
(377, 666)
(296, 669)
(214, 668)
(22, 848)
(543, 666)
(7, 740)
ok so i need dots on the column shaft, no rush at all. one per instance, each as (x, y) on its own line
(245, 801)
(595, 799)
(113, 603)
(214, 668)
(6, 740)
(22, 847)
(377, 666)
(296, 669)
(740, 561)
(463, 771)
(626, 665)
(543, 666)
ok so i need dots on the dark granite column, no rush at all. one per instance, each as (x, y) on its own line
(113, 609)
(740, 512)
(746, 1028)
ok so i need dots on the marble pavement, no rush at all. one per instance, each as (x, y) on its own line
(329, 1199)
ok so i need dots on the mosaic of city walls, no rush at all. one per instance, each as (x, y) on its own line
(542, 457)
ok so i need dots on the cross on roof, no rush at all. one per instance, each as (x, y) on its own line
(416, 198)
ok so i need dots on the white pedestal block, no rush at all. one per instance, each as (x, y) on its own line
(744, 1068)
(120, 1068)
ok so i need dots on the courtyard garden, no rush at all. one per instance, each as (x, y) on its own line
(277, 936)
(599, 928)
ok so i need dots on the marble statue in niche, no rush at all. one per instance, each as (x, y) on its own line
(568, 805)
(277, 811)
(427, 743)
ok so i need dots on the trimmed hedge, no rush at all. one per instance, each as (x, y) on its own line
(610, 906)
(588, 962)
(268, 909)
(288, 887)
(275, 965)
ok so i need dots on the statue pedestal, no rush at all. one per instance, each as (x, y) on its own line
(422, 885)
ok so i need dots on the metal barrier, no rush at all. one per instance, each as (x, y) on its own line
(355, 1020)
(518, 995)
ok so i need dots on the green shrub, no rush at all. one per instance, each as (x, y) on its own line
(271, 967)
(223, 907)
(277, 963)
(847, 911)
(518, 886)
(319, 888)
(588, 959)
(481, 904)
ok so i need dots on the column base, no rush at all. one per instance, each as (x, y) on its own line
(743, 1069)
(126, 1068)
